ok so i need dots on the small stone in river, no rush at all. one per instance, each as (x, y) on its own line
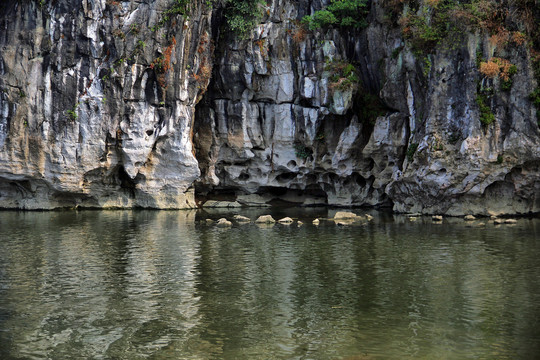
(342, 215)
(299, 223)
(265, 219)
(510, 221)
(286, 221)
(316, 222)
(223, 222)
(469, 218)
(209, 221)
(498, 221)
(369, 217)
(241, 219)
(437, 218)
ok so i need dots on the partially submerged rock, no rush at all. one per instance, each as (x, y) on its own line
(469, 218)
(241, 219)
(474, 224)
(221, 204)
(347, 218)
(341, 215)
(223, 223)
(265, 219)
(316, 222)
(286, 221)
(437, 218)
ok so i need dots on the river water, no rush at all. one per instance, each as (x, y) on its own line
(165, 285)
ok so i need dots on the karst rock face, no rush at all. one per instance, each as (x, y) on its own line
(126, 104)
(97, 104)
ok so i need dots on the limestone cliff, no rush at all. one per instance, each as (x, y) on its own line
(97, 103)
(129, 103)
(277, 125)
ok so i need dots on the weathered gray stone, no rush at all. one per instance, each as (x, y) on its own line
(341, 101)
(221, 204)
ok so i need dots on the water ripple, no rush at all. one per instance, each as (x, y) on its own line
(129, 285)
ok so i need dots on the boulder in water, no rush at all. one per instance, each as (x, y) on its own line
(223, 222)
(241, 219)
(265, 219)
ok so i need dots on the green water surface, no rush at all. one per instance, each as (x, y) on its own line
(165, 285)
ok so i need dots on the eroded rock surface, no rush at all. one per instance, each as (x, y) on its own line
(106, 104)
(98, 107)
(274, 129)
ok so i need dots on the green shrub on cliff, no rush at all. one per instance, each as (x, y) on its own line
(343, 75)
(243, 15)
(342, 13)
(72, 113)
(486, 115)
(320, 19)
(431, 25)
(178, 7)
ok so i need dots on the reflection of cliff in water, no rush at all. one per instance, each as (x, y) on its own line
(166, 284)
